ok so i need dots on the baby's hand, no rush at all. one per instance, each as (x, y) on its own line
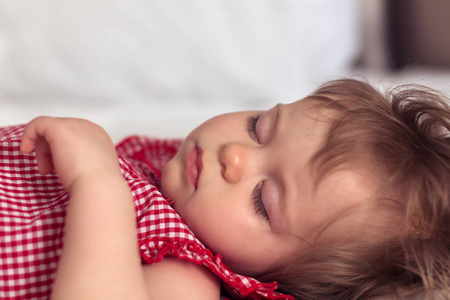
(70, 147)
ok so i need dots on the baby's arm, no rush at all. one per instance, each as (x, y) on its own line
(100, 258)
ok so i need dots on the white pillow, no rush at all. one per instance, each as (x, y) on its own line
(78, 56)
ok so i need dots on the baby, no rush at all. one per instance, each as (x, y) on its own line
(342, 195)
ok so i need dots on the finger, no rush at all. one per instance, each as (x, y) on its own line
(31, 134)
(26, 145)
(29, 137)
(44, 157)
(33, 138)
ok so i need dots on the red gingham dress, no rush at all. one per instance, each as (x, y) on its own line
(33, 208)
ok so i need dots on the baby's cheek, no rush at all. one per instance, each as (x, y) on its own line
(168, 180)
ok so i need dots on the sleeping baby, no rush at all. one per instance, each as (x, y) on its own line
(341, 195)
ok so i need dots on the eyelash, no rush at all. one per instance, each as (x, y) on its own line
(251, 126)
(258, 201)
(257, 192)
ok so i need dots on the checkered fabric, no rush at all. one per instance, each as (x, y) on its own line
(32, 213)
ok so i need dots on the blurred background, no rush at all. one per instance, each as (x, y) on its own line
(160, 68)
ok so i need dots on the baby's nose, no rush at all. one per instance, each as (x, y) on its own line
(233, 159)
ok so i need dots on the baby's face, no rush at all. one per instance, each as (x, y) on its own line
(242, 183)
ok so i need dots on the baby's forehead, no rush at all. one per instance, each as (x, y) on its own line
(314, 108)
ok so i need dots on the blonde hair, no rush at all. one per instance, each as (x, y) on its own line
(404, 137)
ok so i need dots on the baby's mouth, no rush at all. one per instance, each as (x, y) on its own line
(194, 165)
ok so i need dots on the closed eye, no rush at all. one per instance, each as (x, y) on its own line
(258, 200)
(252, 120)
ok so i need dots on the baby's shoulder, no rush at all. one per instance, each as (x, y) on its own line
(173, 278)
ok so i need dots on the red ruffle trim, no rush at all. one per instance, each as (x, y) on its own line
(154, 249)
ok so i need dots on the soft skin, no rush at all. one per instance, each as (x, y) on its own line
(220, 208)
(93, 265)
